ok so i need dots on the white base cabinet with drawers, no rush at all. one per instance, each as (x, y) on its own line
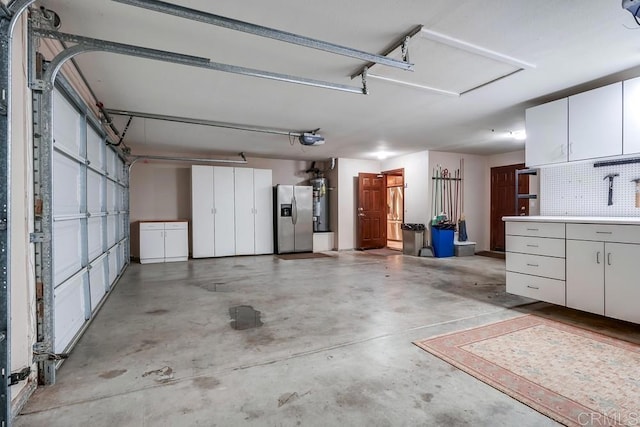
(589, 267)
(163, 242)
(535, 260)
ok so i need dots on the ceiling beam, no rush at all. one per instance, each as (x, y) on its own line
(86, 44)
(259, 30)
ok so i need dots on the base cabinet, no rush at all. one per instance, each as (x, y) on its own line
(163, 242)
(600, 261)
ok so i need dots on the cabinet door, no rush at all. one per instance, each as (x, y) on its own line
(547, 127)
(585, 276)
(176, 243)
(622, 288)
(223, 199)
(263, 203)
(631, 117)
(151, 246)
(595, 123)
(244, 212)
(202, 218)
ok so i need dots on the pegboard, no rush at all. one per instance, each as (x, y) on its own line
(581, 190)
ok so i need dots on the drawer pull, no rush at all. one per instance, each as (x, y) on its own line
(609, 258)
(533, 229)
(532, 246)
(598, 257)
(604, 232)
(533, 265)
(533, 287)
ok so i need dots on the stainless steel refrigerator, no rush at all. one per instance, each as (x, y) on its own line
(293, 218)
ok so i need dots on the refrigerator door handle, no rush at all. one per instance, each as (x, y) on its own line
(294, 209)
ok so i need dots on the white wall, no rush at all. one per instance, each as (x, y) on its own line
(348, 170)
(476, 193)
(417, 182)
(22, 280)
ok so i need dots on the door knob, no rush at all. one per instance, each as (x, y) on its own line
(361, 214)
(360, 209)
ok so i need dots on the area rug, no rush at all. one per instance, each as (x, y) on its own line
(303, 255)
(573, 375)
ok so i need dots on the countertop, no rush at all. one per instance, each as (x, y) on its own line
(576, 219)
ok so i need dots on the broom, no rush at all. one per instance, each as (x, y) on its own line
(462, 225)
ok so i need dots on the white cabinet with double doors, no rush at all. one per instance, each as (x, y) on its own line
(601, 264)
(164, 241)
(231, 211)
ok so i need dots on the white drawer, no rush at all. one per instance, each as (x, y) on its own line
(604, 232)
(536, 245)
(535, 229)
(175, 225)
(151, 226)
(539, 288)
(537, 265)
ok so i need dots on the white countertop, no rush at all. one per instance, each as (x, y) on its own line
(576, 219)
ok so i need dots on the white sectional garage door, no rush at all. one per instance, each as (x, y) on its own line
(90, 216)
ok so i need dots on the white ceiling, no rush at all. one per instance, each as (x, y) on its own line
(572, 43)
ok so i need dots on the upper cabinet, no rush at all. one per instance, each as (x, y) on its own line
(547, 127)
(631, 120)
(595, 123)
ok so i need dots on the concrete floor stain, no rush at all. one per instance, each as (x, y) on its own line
(158, 311)
(244, 317)
(112, 374)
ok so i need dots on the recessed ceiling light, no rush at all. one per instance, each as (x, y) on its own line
(381, 155)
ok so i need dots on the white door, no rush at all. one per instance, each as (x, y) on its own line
(202, 217)
(151, 242)
(585, 275)
(631, 118)
(244, 211)
(595, 123)
(223, 199)
(547, 127)
(622, 293)
(176, 243)
(263, 202)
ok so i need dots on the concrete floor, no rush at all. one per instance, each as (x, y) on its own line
(335, 347)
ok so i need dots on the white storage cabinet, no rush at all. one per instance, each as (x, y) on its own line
(232, 211)
(547, 133)
(595, 123)
(163, 242)
(535, 260)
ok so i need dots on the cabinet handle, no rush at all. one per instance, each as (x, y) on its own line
(533, 265)
(533, 229)
(609, 258)
(533, 287)
(598, 257)
(532, 246)
(604, 232)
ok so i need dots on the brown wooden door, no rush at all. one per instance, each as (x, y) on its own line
(371, 212)
(503, 201)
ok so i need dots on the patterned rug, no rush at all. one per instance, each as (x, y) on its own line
(573, 375)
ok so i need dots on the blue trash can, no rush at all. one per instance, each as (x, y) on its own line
(442, 240)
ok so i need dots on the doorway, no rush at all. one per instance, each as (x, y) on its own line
(394, 180)
(503, 201)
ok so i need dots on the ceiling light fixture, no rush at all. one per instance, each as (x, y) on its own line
(518, 135)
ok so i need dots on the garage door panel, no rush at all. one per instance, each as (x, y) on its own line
(97, 285)
(112, 196)
(113, 264)
(69, 300)
(112, 164)
(95, 237)
(66, 124)
(95, 149)
(94, 192)
(67, 174)
(67, 249)
(112, 221)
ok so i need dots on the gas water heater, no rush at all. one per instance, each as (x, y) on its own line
(320, 204)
